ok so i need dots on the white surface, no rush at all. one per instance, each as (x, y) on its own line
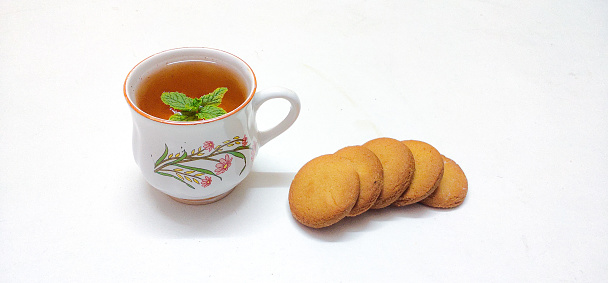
(515, 92)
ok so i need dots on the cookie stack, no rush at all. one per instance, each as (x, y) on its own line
(382, 172)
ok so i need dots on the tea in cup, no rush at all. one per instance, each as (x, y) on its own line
(188, 143)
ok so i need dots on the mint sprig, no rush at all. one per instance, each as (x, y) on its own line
(193, 109)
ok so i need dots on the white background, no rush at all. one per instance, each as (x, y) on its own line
(516, 92)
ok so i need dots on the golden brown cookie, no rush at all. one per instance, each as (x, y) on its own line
(451, 190)
(398, 165)
(371, 176)
(428, 173)
(324, 191)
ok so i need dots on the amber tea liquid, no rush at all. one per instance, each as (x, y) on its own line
(193, 78)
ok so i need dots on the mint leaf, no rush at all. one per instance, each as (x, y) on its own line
(210, 112)
(214, 98)
(180, 117)
(179, 101)
(191, 109)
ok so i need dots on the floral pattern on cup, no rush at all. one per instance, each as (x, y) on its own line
(180, 165)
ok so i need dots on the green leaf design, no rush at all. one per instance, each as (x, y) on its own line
(204, 171)
(162, 157)
(214, 98)
(180, 158)
(188, 176)
(176, 178)
(239, 155)
(179, 101)
(210, 112)
(241, 147)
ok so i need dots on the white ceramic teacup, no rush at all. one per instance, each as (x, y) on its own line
(201, 162)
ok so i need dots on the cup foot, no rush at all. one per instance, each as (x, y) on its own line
(202, 201)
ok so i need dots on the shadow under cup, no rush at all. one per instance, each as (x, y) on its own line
(200, 162)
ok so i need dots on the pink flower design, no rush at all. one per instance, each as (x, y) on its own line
(245, 140)
(254, 150)
(205, 182)
(208, 145)
(223, 165)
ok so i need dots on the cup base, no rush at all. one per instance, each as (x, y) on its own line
(202, 201)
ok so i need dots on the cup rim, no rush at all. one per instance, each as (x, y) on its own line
(160, 120)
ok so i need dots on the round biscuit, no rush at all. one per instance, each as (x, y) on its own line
(324, 191)
(397, 164)
(371, 176)
(452, 189)
(428, 173)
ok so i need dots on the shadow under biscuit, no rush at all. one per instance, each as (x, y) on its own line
(352, 227)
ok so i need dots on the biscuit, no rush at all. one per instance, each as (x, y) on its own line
(451, 190)
(324, 191)
(371, 176)
(428, 173)
(398, 165)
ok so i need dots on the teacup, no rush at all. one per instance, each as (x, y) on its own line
(200, 162)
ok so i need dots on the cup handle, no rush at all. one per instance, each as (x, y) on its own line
(272, 93)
